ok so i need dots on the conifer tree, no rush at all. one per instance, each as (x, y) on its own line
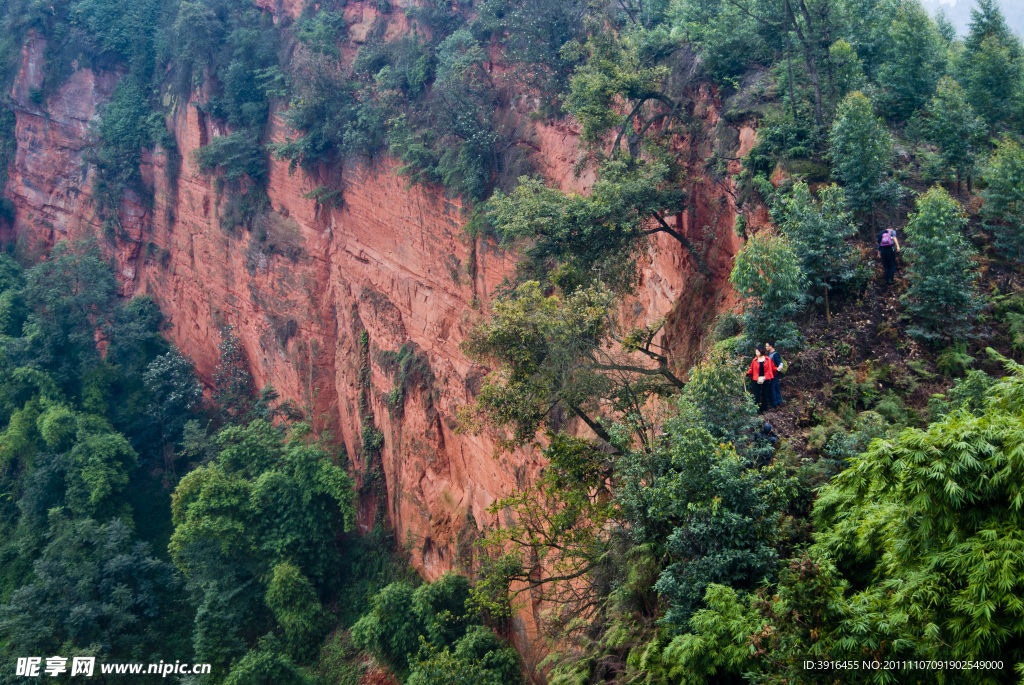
(1004, 198)
(955, 128)
(861, 152)
(916, 62)
(819, 230)
(990, 66)
(942, 297)
(767, 275)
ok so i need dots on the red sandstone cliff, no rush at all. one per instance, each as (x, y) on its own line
(393, 263)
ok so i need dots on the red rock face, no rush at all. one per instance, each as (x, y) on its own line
(308, 284)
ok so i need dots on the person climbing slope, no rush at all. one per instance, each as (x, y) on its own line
(761, 371)
(888, 248)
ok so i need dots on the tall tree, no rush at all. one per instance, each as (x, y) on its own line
(1004, 198)
(861, 153)
(820, 230)
(556, 355)
(768, 276)
(557, 541)
(990, 66)
(955, 128)
(597, 235)
(235, 391)
(916, 60)
(71, 296)
(254, 530)
(721, 517)
(942, 296)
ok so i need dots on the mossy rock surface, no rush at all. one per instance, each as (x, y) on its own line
(808, 169)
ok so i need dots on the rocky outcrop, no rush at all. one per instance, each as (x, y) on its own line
(328, 301)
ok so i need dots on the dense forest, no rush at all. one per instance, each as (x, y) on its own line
(669, 539)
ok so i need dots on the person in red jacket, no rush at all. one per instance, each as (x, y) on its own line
(762, 371)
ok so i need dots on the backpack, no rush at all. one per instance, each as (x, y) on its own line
(886, 240)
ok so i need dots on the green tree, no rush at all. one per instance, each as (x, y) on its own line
(1004, 198)
(619, 68)
(267, 664)
(478, 658)
(266, 494)
(532, 33)
(955, 128)
(70, 296)
(715, 391)
(727, 35)
(296, 607)
(199, 33)
(555, 355)
(125, 128)
(100, 465)
(916, 60)
(391, 629)
(335, 119)
(720, 517)
(992, 79)
(557, 540)
(402, 621)
(819, 231)
(441, 606)
(942, 296)
(254, 530)
(175, 393)
(768, 276)
(990, 65)
(235, 391)
(602, 233)
(861, 152)
(458, 145)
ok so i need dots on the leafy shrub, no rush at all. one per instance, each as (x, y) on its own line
(391, 629)
(334, 117)
(954, 360)
(235, 155)
(403, 622)
(477, 658)
(968, 393)
(727, 37)
(124, 129)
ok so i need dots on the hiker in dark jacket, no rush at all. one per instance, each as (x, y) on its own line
(765, 442)
(888, 247)
(761, 371)
(774, 389)
(769, 435)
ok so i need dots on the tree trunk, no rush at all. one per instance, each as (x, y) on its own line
(828, 313)
(789, 71)
(812, 66)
